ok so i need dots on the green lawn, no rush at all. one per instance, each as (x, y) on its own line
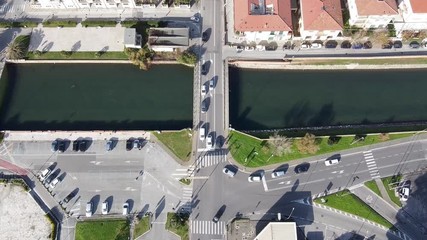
(386, 181)
(243, 147)
(96, 23)
(59, 23)
(103, 229)
(347, 202)
(8, 24)
(78, 56)
(174, 225)
(374, 187)
(185, 181)
(142, 227)
(179, 142)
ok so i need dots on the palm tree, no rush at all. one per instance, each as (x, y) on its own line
(15, 50)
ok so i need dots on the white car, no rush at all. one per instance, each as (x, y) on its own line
(195, 19)
(125, 208)
(404, 194)
(44, 174)
(105, 207)
(329, 162)
(209, 143)
(316, 45)
(204, 90)
(305, 46)
(276, 174)
(54, 182)
(229, 172)
(256, 177)
(211, 85)
(89, 209)
(202, 133)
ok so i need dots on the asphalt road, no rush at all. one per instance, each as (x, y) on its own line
(274, 195)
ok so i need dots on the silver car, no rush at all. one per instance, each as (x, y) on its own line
(229, 172)
(278, 173)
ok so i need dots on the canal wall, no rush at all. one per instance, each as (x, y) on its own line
(86, 61)
(226, 98)
(94, 135)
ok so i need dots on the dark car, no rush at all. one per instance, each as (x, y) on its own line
(357, 45)
(76, 145)
(331, 44)
(52, 176)
(397, 44)
(414, 44)
(219, 214)
(205, 36)
(346, 44)
(303, 167)
(367, 45)
(61, 146)
(204, 106)
(82, 145)
(70, 196)
(129, 144)
(205, 67)
(288, 46)
(388, 45)
(54, 146)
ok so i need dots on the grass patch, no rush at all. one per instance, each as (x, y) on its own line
(178, 223)
(243, 147)
(68, 23)
(185, 181)
(179, 142)
(383, 61)
(142, 227)
(128, 24)
(374, 187)
(104, 229)
(53, 226)
(347, 202)
(387, 181)
(26, 24)
(78, 56)
(95, 23)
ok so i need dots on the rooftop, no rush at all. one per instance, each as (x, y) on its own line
(262, 15)
(278, 231)
(419, 6)
(322, 14)
(376, 7)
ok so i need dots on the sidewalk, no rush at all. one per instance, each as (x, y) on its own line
(158, 230)
(384, 193)
(386, 210)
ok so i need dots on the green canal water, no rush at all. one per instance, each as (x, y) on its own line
(278, 99)
(95, 96)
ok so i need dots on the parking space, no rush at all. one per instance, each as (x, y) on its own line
(139, 177)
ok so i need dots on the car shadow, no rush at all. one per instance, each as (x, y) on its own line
(110, 202)
(95, 201)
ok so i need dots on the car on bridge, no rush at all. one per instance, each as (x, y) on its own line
(209, 142)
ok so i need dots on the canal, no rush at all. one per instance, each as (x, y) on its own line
(279, 99)
(95, 97)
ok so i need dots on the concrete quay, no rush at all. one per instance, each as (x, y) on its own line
(72, 135)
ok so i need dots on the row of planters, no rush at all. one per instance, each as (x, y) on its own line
(66, 23)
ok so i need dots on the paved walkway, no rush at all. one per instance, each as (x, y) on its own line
(158, 230)
(393, 215)
(384, 193)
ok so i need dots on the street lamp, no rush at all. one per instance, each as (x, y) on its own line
(290, 214)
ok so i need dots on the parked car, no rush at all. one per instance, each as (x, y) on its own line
(195, 19)
(204, 90)
(129, 145)
(288, 46)
(204, 106)
(44, 174)
(83, 145)
(205, 67)
(414, 44)
(316, 45)
(54, 146)
(239, 49)
(256, 177)
(61, 146)
(397, 44)
(346, 45)
(105, 207)
(137, 144)
(52, 176)
(333, 161)
(89, 209)
(211, 84)
(109, 145)
(388, 45)
(357, 45)
(54, 182)
(404, 194)
(331, 44)
(277, 173)
(76, 145)
(205, 36)
(303, 167)
(367, 45)
(209, 142)
(305, 46)
(70, 196)
(202, 133)
(229, 171)
(125, 209)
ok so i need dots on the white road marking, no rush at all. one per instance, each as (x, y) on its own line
(264, 183)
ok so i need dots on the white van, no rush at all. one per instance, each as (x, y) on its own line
(202, 133)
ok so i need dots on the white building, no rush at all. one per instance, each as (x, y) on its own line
(414, 14)
(373, 13)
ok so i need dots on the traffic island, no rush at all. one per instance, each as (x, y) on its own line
(178, 142)
(115, 229)
(374, 187)
(141, 227)
(178, 224)
(390, 184)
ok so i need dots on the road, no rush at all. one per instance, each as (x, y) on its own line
(273, 195)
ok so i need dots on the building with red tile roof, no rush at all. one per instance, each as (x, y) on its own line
(320, 19)
(373, 13)
(261, 20)
(414, 14)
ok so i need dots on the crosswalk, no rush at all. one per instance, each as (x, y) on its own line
(9, 7)
(187, 199)
(211, 158)
(372, 165)
(183, 172)
(5, 148)
(208, 227)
